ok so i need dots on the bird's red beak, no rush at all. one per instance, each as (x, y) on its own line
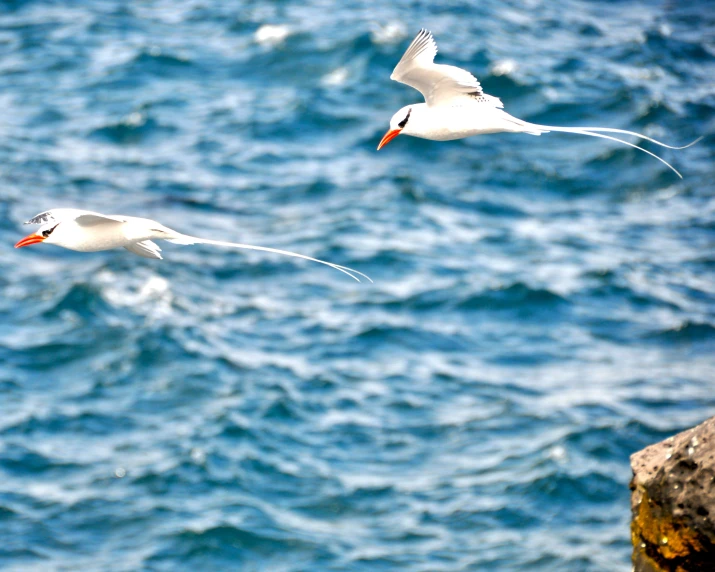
(389, 136)
(31, 239)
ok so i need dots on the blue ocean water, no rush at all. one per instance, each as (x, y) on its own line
(542, 307)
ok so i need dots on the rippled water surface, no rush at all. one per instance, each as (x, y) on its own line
(542, 307)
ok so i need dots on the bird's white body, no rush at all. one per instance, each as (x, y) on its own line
(465, 117)
(106, 236)
(456, 106)
(86, 231)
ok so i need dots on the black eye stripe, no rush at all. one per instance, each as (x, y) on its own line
(48, 232)
(402, 123)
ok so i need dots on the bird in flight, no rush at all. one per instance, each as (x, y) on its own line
(456, 106)
(87, 231)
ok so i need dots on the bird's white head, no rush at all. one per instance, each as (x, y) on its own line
(398, 124)
(44, 234)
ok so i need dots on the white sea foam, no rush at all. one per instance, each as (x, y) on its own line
(271, 35)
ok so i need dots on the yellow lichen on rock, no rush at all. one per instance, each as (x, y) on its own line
(652, 527)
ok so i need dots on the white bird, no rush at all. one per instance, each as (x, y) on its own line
(87, 231)
(456, 106)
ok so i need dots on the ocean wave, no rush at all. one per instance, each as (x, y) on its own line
(685, 333)
(517, 296)
(541, 307)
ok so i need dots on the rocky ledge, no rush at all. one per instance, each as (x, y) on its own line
(673, 503)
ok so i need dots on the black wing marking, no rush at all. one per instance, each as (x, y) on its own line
(41, 218)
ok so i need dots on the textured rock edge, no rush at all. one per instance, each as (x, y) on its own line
(673, 503)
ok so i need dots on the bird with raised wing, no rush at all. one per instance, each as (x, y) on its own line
(87, 231)
(456, 106)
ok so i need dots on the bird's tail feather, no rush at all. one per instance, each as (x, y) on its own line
(624, 132)
(186, 239)
(599, 132)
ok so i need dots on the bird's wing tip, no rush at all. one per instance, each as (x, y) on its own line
(41, 218)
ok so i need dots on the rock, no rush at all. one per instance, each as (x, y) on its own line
(673, 503)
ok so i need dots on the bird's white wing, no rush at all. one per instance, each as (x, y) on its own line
(56, 215)
(436, 82)
(93, 219)
(146, 249)
(82, 217)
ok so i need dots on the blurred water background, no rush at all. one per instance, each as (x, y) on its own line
(542, 307)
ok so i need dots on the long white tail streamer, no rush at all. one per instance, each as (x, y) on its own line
(598, 132)
(186, 239)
